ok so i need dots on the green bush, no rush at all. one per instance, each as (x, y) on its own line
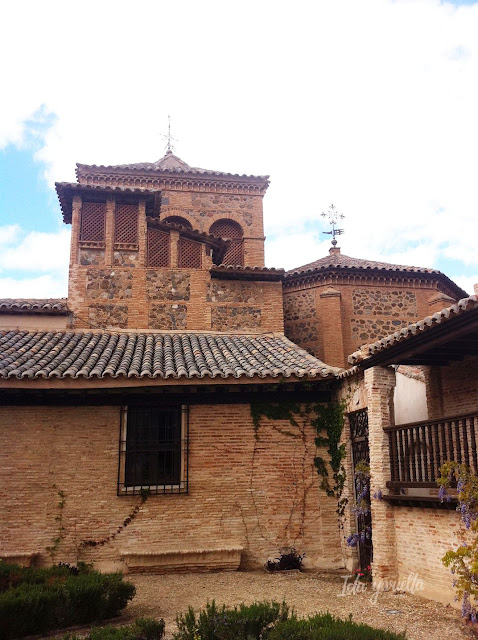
(241, 623)
(11, 575)
(39, 600)
(327, 627)
(142, 629)
(271, 621)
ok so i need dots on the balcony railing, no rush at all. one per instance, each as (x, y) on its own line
(418, 450)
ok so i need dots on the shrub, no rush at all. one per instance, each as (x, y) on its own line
(142, 629)
(327, 627)
(11, 575)
(240, 623)
(56, 598)
(288, 560)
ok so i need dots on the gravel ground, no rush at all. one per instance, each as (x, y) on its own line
(165, 595)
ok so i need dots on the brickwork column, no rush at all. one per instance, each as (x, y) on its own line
(109, 231)
(174, 239)
(142, 233)
(330, 315)
(379, 388)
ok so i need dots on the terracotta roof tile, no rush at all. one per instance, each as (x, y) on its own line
(341, 261)
(169, 163)
(463, 306)
(63, 354)
(46, 306)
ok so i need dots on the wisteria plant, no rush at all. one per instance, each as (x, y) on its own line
(463, 561)
(361, 504)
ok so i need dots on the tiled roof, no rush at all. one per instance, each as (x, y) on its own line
(169, 163)
(463, 306)
(66, 191)
(341, 261)
(46, 306)
(227, 271)
(64, 354)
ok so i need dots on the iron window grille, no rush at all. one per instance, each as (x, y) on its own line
(154, 450)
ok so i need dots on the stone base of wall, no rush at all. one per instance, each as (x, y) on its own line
(226, 559)
(21, 559)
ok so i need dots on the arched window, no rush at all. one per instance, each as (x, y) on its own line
(179, 221)
(232, 231)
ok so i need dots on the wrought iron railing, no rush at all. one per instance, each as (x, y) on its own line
(418, 450)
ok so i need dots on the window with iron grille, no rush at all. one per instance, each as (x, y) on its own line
(158, 248)
(126, 224)
(154, 448)
(189, 254)
(93, 215)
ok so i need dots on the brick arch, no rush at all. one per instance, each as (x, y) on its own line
(178, 220)
(178, 213)
(232, 230)
(227, 228)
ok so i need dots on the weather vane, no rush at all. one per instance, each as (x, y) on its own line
(334, 218)
(168, 138)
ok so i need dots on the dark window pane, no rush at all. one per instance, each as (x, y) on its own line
(153, 447)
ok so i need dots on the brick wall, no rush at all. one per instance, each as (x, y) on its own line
(259, 494)
(111, 287)
(453, 390)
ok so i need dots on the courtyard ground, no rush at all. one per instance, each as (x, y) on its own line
(165, 595)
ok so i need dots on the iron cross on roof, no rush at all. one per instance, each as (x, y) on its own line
(168, 138)
(333, 216)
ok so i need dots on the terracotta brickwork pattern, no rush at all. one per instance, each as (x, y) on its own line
(259, 494)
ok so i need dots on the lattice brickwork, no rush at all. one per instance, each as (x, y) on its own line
(226, 229)
(126, 223)
(158, 248)
(235, 254)
(93, 215)
(189, 254)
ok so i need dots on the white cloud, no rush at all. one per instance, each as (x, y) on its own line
(369, 105)
(38, 251)
(8, 234)
(47, 286)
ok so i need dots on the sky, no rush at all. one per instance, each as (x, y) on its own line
(371, 106)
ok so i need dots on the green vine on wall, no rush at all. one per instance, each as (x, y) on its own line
(330, 419)
(145, 493)
(53, 548)
(328, 422)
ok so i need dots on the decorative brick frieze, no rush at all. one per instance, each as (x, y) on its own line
(108, 316)
(94, 257)
(164, 284)
(168, 316)
(106, 284)
(126, 258)
(233, 291)
(224, 318)
(365, 330)
(384, 302)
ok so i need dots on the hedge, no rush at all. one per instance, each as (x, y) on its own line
(38, 600)
(142, 629)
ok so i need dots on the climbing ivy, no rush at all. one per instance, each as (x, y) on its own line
(328, 422)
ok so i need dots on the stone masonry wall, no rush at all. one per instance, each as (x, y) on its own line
(300, 320)
(366, 311)
(168, 316)
(260, 493)
(384, 302)
(224, 318)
